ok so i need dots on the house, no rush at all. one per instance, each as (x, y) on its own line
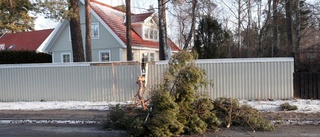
(31, 41)
(109, 36)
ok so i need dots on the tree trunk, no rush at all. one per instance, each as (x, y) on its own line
(289, 25)
(128, 30)
(239, 28)
(75, 30)
(249, 28)
(193, 22)
(162, 37)
(275, 26)
(298, 26)
(261, 34)
(88, 31)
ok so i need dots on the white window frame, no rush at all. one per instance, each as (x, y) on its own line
(146, 33)
(93, 25)
(97, 26)
(66, 53)
(134, 58)
(155, 34)
(148, 55)
(2, 46)
(104, 51)
(151, 34)
(154, 56)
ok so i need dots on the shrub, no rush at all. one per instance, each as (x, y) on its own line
(177, 107)
(287, 107)
(231, 113)
(126, 118)
(163, 119)
(182, 80)
(19, 57)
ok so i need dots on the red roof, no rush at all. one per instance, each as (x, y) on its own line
(114, 19)
(25, 40)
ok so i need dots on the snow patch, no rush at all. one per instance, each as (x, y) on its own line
(304, 105)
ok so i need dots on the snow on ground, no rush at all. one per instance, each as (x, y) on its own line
(305, 106)
(51, 105)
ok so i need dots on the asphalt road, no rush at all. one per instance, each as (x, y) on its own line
(57, 130)
(95, 130)
(282, 131)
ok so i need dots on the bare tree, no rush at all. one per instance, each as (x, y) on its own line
(289, 24)
(298, 25)
(187, 13)
(275, 26)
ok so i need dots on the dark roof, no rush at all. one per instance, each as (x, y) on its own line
(114, 19)
(25, 40)
(140, 17)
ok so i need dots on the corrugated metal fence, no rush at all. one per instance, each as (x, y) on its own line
(236, 78)
(259, 78)
(69, 82)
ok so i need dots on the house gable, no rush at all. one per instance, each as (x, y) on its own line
(114, 18)
(111, 34)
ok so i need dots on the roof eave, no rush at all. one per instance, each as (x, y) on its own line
(54, 36)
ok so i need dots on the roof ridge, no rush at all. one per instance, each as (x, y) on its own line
(22, 32)
(109, 6)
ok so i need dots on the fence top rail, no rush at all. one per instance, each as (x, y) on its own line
(72, 64)
(236, 60)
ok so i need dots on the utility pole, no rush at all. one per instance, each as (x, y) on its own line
(128, 30)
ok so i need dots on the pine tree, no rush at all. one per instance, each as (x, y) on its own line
(163, 121)
(210, 36)
(182, 80)
(14, 15)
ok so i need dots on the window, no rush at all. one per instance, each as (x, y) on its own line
(155, 35)
(65, 57)
(133, 56)
(152, 57)
(95, 30)
(104, 56)
(2, 47)
(151, 34)
(146, 33)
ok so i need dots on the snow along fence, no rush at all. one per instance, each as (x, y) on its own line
(69, 82)
(245, 78)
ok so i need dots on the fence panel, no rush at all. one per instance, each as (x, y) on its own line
(307, 85)
(69, 82)
(258, 78)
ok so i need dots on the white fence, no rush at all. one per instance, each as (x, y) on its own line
(259, 78)
(69, 82)
(237, 78)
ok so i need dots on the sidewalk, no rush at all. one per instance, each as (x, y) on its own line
(53, 116)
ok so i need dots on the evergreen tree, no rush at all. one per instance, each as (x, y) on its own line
(163, 121)
(14, 15)
(209, 37)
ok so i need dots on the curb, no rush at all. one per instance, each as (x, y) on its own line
(34, 121)
(295, 122)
